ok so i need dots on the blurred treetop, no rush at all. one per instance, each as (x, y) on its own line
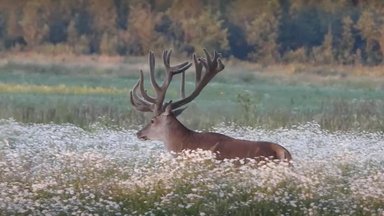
(265, 31)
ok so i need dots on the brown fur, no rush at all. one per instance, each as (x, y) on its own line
(177, 138)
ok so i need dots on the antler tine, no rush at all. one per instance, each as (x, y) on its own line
(180, 68)
(167, 58)
(174, 69)
(161, 90)
(182, 85)
(139, 97)
(210, 64)
(167, 62)
(198, 69)
(137, 102)
(138, 105)
(143, 92)
(152, 72)
(212, 67)
(208, 57)
(170, 71)
(220, 66)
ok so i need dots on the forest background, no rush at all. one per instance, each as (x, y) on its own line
(329, 32)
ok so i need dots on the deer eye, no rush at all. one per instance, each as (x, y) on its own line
(152, 121)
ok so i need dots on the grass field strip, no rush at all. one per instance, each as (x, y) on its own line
(58, 89)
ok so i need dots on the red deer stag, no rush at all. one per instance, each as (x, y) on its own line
(165, 127)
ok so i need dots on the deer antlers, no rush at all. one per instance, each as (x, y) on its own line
(143, 102)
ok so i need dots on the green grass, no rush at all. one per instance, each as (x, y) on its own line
(58, 94)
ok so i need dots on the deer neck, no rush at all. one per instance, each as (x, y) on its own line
(178, 137)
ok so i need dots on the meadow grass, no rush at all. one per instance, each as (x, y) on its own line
(83, 99)
(65, 170)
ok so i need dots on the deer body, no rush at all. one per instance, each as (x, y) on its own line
(177, 138)
(165, 127)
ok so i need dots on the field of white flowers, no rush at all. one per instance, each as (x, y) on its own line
(49, 169)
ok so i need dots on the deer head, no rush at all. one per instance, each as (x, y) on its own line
(164, 114)
(160, 126)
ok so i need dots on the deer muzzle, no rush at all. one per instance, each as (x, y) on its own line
(141, 136)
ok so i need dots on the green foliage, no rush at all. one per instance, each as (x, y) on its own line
(326, 32)
(259, 20)
(34, 23)
(324, 54)
(371, 27)
(347, 42)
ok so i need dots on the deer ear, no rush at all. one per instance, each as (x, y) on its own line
(168, 110)
(179, 111)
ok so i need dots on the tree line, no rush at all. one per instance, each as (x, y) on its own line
(264, 31)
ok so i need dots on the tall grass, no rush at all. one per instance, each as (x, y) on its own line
(83, 98)
(115, 110)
